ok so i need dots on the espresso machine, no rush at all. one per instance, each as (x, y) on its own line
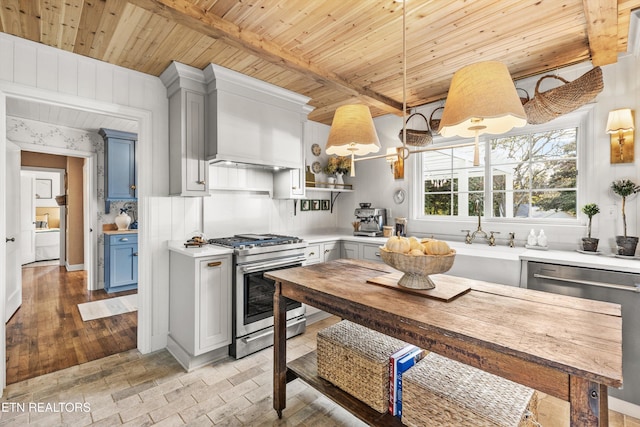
(371, 220)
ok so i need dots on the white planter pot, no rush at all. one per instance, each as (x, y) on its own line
(331, 182)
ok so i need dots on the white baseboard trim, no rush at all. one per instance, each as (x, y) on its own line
(189, 362)
(75, 267)
(624, 407)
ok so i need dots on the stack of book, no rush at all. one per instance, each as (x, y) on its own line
(400, 362)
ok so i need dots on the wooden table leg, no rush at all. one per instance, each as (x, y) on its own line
(589, 403)
(279, 351)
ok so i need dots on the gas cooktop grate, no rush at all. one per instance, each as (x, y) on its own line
(254, 240)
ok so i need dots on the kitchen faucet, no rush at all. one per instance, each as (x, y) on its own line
(480, 232)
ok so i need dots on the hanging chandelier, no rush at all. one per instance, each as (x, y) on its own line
(482, 99)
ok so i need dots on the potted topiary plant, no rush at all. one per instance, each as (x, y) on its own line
(590, 244)
(626, 244)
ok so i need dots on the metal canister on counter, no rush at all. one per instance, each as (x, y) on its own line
(401, 226)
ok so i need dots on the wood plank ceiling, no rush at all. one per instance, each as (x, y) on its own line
(334, 51)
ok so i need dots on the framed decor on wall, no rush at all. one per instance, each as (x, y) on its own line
(325, 205)
(315, 205)
(305, 205)
(43, 189)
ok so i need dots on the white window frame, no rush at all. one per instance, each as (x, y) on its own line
(451, 225)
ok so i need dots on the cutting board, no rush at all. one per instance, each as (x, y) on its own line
(445, 290)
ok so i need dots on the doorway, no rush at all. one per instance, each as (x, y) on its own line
(42, 217)
(48, 333)
(84, 280)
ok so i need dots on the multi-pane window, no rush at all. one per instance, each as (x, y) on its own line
(525, 176)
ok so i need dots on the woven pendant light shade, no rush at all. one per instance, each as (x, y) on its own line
(482, 98)
(352, 132)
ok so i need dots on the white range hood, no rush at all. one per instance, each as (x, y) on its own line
(251, 122)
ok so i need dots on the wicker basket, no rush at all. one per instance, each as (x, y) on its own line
(417, 137)
(524, 98)
(440, 391)
(546, 106)
(356, 359)
(417, 268)
(434, 124)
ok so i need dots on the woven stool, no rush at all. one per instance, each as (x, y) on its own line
(441, 392)
(356, 360)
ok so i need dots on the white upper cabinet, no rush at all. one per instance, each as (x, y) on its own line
(188, 167)
(218, 115)
(250, 121)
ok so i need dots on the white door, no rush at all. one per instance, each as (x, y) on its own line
(14, 271)
(27, 216)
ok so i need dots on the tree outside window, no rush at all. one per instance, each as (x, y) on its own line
(530, 176)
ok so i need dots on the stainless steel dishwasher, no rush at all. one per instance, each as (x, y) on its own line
(601, 285)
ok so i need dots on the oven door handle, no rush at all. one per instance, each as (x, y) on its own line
(252, 268)
(635, 288)
(271, 331)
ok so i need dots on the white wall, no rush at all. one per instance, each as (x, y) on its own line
(621, 89)
(51, 76)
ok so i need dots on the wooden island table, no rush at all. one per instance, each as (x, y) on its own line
(566, 347)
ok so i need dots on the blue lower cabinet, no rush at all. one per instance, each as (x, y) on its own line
(120, 262)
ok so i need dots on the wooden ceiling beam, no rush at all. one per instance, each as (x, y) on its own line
(602, 29)
(186, 13)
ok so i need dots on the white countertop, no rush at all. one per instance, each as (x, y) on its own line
(198, 252)
(602, 261)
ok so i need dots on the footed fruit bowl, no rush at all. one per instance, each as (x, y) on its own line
(417, 268)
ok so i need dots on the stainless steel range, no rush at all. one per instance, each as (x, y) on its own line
(254, 255)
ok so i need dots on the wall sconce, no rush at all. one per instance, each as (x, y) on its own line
(396, 161)
(620, 126)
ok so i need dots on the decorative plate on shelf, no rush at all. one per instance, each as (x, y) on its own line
(316, 167)
(316, 150)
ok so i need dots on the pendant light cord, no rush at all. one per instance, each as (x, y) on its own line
(404, 75)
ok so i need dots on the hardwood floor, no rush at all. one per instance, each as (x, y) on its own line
(47, 334)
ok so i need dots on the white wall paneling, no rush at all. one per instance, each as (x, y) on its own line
(137, 97)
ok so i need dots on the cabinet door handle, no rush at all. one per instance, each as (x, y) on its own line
(135, 254)
(124, 239)
(214, 264)
(312, 253)
(201, 182)
(133, 187)
(12, 239)
(326, 251)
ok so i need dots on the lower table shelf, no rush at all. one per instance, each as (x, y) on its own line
(306, 368)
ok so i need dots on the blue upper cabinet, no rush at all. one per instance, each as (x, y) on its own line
(119, 166)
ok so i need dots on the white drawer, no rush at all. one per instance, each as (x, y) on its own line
(371, 252)
(312, 252)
